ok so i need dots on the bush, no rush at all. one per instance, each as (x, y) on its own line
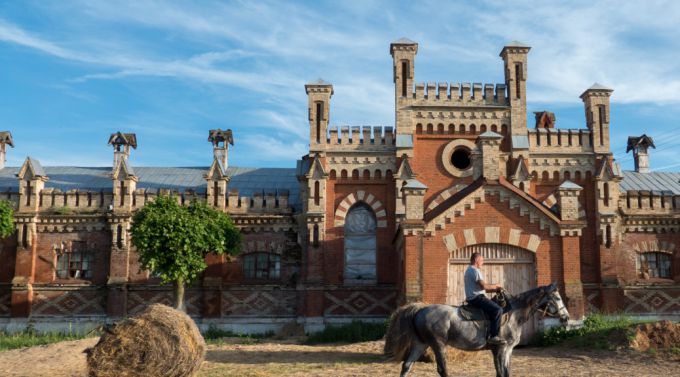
(356, 331)
(596, 331)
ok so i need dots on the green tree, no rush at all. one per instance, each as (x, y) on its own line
(6, 218)
(173, 240)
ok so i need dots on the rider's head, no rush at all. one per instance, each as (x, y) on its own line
(476, 259)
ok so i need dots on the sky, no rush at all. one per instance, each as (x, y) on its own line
(73, 72)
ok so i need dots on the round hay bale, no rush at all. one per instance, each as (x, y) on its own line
(159, 342)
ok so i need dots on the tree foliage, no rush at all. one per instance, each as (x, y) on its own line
(173, 240)
(6, 218)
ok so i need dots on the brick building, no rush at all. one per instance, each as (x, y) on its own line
(369, 219)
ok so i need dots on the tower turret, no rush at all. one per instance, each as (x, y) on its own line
(403, 53)
(596, 102)
(319, 94)
(514, 56)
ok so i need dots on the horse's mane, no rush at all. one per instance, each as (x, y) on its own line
(523, 299)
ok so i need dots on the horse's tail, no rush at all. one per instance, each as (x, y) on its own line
(401, 331)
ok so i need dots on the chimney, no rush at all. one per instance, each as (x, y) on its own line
(5, 140)
(121, 146)
(639, 146)
(220, 140)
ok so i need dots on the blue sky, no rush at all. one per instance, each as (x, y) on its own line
(75, 71)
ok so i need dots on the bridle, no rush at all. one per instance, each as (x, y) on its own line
(549, 306)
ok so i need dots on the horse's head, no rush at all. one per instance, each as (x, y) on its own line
(552, 305)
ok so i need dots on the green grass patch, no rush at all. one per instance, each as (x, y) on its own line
(598, 331)
(356, 331)
(215, 335)
(30, 338)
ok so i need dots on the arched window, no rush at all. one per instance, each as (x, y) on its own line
(654, 265)
(360, 245)
(261, 266)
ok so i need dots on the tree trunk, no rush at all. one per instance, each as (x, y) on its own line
(179, 295)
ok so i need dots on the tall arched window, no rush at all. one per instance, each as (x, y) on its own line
(360, 245)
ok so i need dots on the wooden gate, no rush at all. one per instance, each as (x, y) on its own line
(511, 266)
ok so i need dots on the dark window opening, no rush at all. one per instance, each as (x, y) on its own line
(315, 236)
(601, 117)
(119, 239)
(75, 263)
(404, 77)
(122, 193)
(460, 158)
(518, 76)
(654, 265)
(261, 266)
(319, 116)
(608, 235)
(29, 192)
(606, 194)
(216, 193)
(316, 193)
(24, 236)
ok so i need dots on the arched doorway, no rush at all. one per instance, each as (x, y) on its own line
(511, 266)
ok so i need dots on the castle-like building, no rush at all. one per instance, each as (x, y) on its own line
(370, 218)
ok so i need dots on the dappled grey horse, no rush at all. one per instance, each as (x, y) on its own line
(415, 327)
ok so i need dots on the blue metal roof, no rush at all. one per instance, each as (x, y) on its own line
(656, 181)
(247, 181)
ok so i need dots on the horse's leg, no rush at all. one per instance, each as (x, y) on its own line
(440, 354)
(506, 359)
(497, 361)
(417, 350)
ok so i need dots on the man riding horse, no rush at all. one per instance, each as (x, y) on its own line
(475, 287)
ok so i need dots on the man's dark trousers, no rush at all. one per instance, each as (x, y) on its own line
(492, 310)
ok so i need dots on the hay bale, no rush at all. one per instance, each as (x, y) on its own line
(160, 342)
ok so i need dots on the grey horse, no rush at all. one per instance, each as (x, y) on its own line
(415, 327)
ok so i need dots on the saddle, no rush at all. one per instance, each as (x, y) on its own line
(471, 313)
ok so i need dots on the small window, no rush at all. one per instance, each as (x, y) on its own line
(654, 265)
(75, 263)
(261, 266)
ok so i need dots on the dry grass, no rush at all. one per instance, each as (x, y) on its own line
(267, 358)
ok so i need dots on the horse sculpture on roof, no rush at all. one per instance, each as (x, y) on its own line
(415, 327)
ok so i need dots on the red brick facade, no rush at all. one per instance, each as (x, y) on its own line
(555, 194)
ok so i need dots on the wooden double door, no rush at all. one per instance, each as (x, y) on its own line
(511, 266)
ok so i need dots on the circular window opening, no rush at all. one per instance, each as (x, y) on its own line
(460, 158)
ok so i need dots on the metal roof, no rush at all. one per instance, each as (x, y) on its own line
(247, 181)
(656, 181)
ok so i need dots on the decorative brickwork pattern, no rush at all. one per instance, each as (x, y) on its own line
(349, 302)
(82, 302)
(259, 303)
(361, 196)
(652, 300)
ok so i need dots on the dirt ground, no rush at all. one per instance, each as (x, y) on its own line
(273, 358)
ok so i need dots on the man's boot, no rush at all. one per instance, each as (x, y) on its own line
(496, 340)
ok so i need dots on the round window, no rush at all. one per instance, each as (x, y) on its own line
(460, 158)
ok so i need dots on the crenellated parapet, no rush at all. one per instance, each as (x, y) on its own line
(560, 140)
(258, 202)
(360, 138)
(458, 94)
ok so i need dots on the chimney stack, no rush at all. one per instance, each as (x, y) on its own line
(5, 140)
(639, 145)
(220, 140)
(121, 146)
